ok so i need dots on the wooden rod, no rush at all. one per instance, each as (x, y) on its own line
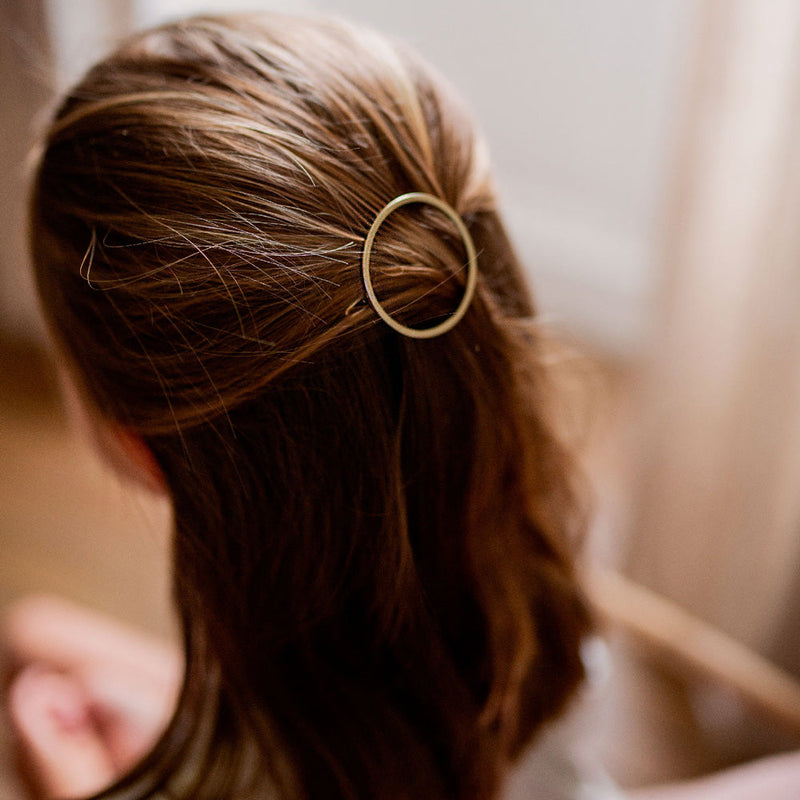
(665, 627)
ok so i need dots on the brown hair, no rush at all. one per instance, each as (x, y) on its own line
(372, 547)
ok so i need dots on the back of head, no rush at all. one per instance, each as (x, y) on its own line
(372, 532)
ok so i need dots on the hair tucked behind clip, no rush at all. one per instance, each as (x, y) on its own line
(471, 266)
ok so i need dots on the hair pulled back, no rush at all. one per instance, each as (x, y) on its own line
(372, 533)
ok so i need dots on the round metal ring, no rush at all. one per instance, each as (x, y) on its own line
(472, 265)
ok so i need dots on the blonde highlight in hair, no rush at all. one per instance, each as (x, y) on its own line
(372, 534)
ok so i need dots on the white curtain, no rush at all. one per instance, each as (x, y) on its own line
(716, 500)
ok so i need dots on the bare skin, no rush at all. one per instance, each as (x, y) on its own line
(773, 778)
(88, 696)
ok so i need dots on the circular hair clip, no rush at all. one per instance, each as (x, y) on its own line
(472, 266)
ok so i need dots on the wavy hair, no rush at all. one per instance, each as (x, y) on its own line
(373, 535)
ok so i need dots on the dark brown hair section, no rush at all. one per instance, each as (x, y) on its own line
(372, 552)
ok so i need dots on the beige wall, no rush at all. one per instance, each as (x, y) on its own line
(577, 100)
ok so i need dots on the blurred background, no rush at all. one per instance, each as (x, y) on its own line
(648, 158)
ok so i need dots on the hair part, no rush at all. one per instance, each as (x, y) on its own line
(373, 535)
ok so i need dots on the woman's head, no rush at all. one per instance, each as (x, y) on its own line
(252, 157)
(371, 547)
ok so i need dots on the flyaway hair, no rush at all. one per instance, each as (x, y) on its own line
(373, 535)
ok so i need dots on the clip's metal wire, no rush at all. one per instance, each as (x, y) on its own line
(472, 266)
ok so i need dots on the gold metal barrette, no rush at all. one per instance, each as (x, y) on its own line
(472, 266)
